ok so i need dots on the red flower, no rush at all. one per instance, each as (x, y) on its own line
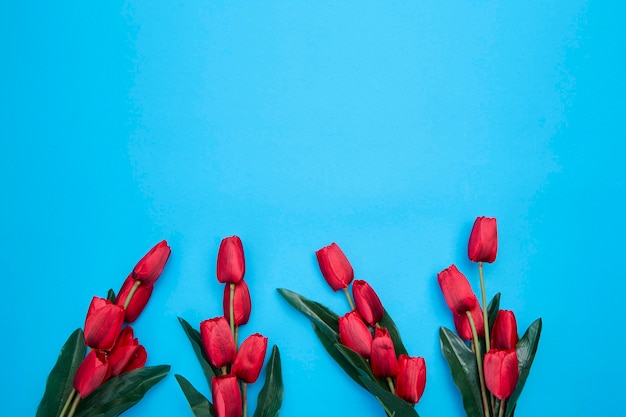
(501, 372)
(411, 379)
(231, 264)
(383, 358)
(127, 354)
(504, 334)
(483, 241)
(462, 323)
(456, 290)
(103, 323)
(367, 302)
(353, 333)
(151, 265)
(250, 358)
(226, 396)
(137, 302)
(335, 267)
(218, 341)
(242, 304)
(91, 373)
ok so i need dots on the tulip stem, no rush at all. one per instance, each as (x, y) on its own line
(485, 313)
(131, 293)
(74, 406)
(391, 386)
(69, 400)
(244, 398)
(232, 311)
(479, 363)
(502, 408)
(349, 297)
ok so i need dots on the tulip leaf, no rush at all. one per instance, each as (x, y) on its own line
(492, 310)
(526, 350)
(394, 406)
(462, 363)
(320, 315)
(200, 406)
(394, 333)
(271, 395)
(120, 393)
(111, 295)
(359, 363)
(61, 378)
(196, 343)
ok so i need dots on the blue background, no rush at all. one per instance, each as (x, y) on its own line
(384, 126)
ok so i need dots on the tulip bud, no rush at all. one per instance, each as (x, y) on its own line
(483, 241)
(91, 373)
(231, 264)
(456, 290)
(335, 267)
(242, 304)
(462, 323)
(218, 341)
(250, 358)
(137, 302)
(411, 379)
(353, 333)
(226, 396)
(501, 372)
(151, 265)
(383, 358)
(103, 323)
(367, 302)
(127, 354)
(504, 335)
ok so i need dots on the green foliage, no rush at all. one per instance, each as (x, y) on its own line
(200, 406)
(271, 395)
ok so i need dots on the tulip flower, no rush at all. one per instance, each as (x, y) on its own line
(250, 358)
(504, 334)
(242, 305)
(463, 327)
(367, 302)
(353, 333)
(483, 241)
(149, 268)
(335, 267)
(231, 264)
(103, 323)
(218, 341)
(457, 290)
(91, 373)
(411, 379)
(501, 372)
(138, 301)
(226, 396)
(383, 357)
(127, 354)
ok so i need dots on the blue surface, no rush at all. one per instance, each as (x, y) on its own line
(386, 127)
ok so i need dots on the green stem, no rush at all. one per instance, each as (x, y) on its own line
(245, 399)
(479, 363)
(69, 400)
(74, 406)
(349, 297)
(485, 315)
(131, 293)
(391, 386)
(232, 310)
(502, 408)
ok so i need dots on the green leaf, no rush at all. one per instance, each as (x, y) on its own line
(526, 350)
(196, 343)
(394, 333)
(492, 310)
(320, 315)
(60, 380)
(200, 406)
(394, 406)
(462, 363)
(111, 295)
(271, 396)
(357, 361)
(120, 393)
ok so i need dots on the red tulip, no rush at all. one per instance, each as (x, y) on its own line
(242, 304)
(151, 265)
(127, 354)
(250, 358)
(103, 323)
(226, 396)
(411, 379)
(462, 323)
(335, 267)
(504, 334)
(383, 358)
(456, 290)
(367, 302)
(231, 264)
(353, 333)
(483, 241)
(137, 302)
(218, 341)
(91, 373)
(501, 372)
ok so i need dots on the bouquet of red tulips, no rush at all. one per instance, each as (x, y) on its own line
(364, 342)
(229, 369)
(111, 377)
(491, 372)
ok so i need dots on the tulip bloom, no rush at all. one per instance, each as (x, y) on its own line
(137, 302)
(103, 323)
(226, 396)
(501, 372)
(383, 358)
(250, 358)
(218, 341)
(411, 379)
(151, 265)
(462, 323)
(231, 264)
(335, 267)
(504, 334)
(456, 290)
(483, 241)
(127, 354)
(242, 303)
(367, 302)
(353, 333)
(91, 373)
